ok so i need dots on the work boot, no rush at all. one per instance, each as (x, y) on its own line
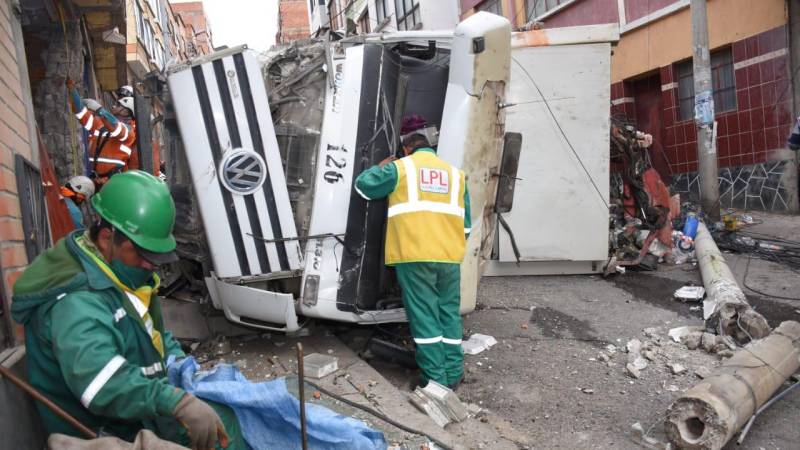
(455, 385)
(420, 383)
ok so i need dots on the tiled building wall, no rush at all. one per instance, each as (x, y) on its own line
(750, 138)
(747, 135)
(762, 119)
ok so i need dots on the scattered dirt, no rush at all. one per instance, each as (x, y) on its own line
(775, 312)
(656, 291)
(549, 381)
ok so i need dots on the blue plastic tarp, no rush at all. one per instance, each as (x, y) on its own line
(269, 415)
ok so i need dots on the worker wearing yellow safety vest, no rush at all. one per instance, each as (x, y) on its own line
(428, 221)
(112, 134)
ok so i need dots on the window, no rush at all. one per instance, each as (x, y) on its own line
(139, 16)
(148, 39)
(313, 4)
(407, 13)
(535, 8)
(363, 22)
(722, 82)
(334, 14)
(381, 12)
(32, 206)
(492, 6)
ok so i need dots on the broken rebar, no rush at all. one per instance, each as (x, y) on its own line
(302, 394)
(38, 396)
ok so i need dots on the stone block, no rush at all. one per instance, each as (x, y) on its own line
(317, 365)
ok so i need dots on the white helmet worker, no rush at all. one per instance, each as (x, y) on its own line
(81, 185)
(125, 91)
(127, 102)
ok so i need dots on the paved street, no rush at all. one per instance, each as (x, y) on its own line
(543, 378)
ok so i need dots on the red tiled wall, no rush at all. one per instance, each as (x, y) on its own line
(762, 119)
(622, 100)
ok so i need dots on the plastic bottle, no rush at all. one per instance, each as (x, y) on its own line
(690, 228)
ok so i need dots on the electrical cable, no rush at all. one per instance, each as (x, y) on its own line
(763, 294)
(379, 415)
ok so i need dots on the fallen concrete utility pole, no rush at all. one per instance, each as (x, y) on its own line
(728, 313)
(709, 414)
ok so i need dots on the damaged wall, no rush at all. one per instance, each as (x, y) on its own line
(49, 59)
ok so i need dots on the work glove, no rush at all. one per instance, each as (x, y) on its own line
(92, 104)
(203, 424)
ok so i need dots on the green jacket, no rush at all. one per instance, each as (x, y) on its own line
(88, 349)
(378, 182)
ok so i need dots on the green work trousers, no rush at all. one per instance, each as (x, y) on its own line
(432, 298)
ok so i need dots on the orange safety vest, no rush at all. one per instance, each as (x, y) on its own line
(109, 151)
(426, 212)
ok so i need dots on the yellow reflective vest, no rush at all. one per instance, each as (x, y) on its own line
(426, 212)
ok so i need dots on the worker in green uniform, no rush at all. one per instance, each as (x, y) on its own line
(428, 222)
(95, 339)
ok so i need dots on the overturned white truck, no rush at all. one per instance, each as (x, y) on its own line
(287, 234)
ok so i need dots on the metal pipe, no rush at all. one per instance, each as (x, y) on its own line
(302, 394)
(30, 390)
(731, 315)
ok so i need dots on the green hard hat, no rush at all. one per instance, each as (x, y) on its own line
(140, 206)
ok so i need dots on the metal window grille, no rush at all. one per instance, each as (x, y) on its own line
(380, 11)
(535, 8)
(33, 207)
(723, 83)
(408, 14)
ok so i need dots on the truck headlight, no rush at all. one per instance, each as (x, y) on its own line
(311, 290)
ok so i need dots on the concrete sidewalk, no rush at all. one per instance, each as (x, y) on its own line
(268, 356)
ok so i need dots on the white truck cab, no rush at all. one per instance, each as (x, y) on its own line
(276, 258)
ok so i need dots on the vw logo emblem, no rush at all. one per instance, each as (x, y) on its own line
(243, 171)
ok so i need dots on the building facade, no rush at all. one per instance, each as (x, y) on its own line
(193, 14)
(18, 147)
(652, 86)
(293, 17)
(375, 16)
(99, 44)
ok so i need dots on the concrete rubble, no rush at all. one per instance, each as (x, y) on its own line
(677, 334)
(317, 365)
(709, 414)
(640, 437)
(477, 343)
(440, 403)
(677, 368)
